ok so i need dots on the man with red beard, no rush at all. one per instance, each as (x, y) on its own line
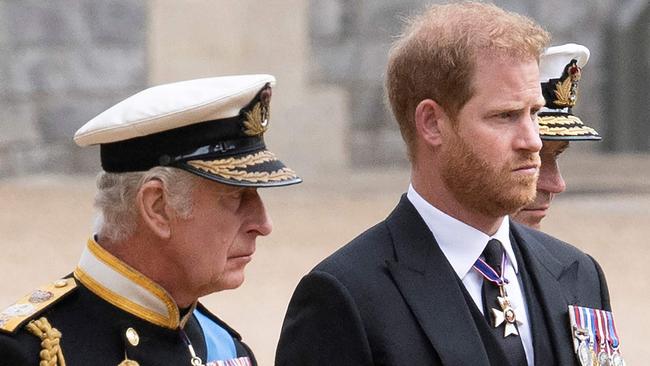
(557, 125)
(447, 278)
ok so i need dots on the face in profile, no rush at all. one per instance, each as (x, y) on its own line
(491, 160)
(549, 184)
(217, 241)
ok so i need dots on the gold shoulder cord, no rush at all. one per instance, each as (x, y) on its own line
(51, 354)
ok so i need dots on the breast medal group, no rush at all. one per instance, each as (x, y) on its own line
(595, 339)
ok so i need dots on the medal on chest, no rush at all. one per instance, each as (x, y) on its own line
(595, 339)
(507, 315)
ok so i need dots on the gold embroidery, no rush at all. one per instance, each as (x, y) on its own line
(231, 168)
(254, 177)
(563, 131)
(257, 120)
(560, 120)
(566, 91)
(232, 163)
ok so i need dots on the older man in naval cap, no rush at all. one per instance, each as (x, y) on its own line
(595, 338)
(560, 71)
(179, 216)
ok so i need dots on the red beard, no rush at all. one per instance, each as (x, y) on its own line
(492, 190)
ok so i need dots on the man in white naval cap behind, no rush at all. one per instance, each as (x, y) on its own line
(179, 216)
(560, 69)
(596, 341)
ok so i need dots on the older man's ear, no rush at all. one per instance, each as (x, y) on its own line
(154, 211)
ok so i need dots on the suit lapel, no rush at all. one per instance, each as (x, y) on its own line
(552, 281)
(431, 288)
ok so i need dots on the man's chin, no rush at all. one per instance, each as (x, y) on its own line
(529, 218)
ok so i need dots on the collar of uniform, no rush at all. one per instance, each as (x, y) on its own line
(124, 287)
(460, 243)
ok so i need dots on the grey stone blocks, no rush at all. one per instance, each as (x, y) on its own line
(63, 62)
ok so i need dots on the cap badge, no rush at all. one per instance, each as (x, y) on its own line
(257, 119)
(566, 89)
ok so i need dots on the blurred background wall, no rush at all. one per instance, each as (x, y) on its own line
(61, 63)
(65, 61)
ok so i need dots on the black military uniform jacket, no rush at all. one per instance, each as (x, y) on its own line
(107, 313)
(390, 297)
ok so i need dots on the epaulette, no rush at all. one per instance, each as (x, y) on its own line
(13, 317)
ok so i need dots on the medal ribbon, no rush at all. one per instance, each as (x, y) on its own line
(612, 330)
(593, 326)
(586, 321)
(608, 339)
(489, 273)
(600, 332)
(576, 316)
(603, 336)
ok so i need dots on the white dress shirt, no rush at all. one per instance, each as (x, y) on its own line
(462, 245)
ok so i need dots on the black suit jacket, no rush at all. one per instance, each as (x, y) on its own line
(390, 297)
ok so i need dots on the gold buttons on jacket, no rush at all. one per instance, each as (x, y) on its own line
(133, 337)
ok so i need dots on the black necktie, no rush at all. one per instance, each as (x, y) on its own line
(512, 346)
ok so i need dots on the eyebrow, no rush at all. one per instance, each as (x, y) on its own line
(509, 107)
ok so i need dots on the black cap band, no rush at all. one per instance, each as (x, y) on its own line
(207, 140)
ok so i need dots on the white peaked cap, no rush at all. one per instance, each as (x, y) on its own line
(212, 127)
(554, 59)
(168, 106)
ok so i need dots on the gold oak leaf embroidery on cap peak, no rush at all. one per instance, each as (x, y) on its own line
(231, 168)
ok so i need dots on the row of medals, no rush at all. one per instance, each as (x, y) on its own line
(587, 355)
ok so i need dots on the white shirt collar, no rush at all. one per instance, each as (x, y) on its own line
(460, 243)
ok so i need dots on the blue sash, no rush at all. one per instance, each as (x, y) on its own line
(219, 343)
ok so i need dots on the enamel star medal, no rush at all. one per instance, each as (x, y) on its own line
(507, 315)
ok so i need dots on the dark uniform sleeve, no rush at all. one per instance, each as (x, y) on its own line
(322, 326)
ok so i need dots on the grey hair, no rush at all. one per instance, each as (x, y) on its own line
(115, 199)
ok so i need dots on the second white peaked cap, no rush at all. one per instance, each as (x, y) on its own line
(554, 59)
(560, 70)
(212, 127)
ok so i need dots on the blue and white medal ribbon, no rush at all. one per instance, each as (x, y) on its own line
(490, 274)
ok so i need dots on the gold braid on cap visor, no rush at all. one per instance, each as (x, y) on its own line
(231, 168)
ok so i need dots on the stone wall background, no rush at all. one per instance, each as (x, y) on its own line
(350, 41)
(62, 62)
